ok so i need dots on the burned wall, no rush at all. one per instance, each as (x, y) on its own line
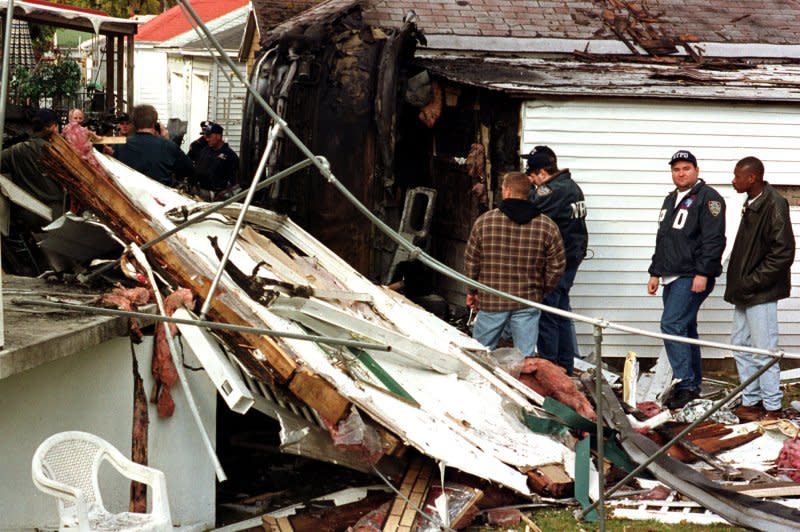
(474, 140)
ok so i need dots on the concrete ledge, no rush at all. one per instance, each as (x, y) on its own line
(33, 338)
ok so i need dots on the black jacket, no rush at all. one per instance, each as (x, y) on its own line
(691, 236)
(763, 253)
(155, 157)
(562, 200)
(216, 169)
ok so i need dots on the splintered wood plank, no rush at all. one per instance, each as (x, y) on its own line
(313, 389)
(551, 480)
(414, 487)
(277, 524)
(267, 358)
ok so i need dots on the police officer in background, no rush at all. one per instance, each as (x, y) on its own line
(216, 165)
(560, 198)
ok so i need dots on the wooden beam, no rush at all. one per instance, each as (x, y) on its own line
(129, 74)
(268, 359)
(120, 84)
(109, 71)
(414, 487)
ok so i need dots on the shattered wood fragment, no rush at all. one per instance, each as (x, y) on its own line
(313, 388)
(551, 480)
(139, 437)
(414, 489)
(277, 524)
(263, 356)
(335, 518)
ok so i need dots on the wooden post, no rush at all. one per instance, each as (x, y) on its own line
(129, 77)
(120, 84)
(109, 71)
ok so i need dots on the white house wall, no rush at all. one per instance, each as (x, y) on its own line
(225, 99)
(92, 391)
(227, 102)
(151, 83)
(618, 151)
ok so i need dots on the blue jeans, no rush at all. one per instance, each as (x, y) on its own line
(557, 342)
(757, 326)
(680, 319)
(523, 324)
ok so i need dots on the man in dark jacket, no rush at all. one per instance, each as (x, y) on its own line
(560, 198)
(216, 165)
(517, 250)
(146, 151)
(759, 274)
(687, 260)
(24, 162)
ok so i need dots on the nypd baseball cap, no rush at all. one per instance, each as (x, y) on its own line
(212, 127)
(683, 155)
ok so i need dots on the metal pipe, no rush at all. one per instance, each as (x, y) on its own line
(200, 323)
(6, 60)
(232, 240)
(417, 253)
(3, 100)
(176, 361)
(598, 379)
(199, 217)
(716, 406)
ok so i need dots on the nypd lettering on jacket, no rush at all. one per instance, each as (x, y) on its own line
(691, 234)
(562, 200)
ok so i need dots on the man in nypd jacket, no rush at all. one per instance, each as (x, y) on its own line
(560, 198)
(687, 261)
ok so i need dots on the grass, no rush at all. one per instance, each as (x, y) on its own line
(560, 520)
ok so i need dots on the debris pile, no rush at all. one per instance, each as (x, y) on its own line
(356, 375)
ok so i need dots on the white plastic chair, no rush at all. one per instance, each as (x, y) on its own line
(66, 466)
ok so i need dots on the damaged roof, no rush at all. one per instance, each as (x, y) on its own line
(774, 22)
(540, 76)
(658, 24)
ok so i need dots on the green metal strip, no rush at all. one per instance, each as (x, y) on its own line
(542, 425)
(576, 421)
(582, 461)
(387, 380)
(572, 418)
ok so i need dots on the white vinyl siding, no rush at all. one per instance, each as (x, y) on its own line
(618, 151)
(151, 79)
(227, 102)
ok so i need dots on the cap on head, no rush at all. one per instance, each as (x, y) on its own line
(683, 155)
(46, 116)
(211, 127)
(123, 118)
(542, 157)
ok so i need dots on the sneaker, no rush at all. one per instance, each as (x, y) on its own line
(749, 413)
(681, 397)
(772, 415)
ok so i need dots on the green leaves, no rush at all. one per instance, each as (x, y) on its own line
(57, 78)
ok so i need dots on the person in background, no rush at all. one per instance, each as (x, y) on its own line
(75, 116)
(23, 162)
(687, 260)
(555, 194)
(759, 275)
(124, 125)
(216, 165)
(151, 154)
(515, 249)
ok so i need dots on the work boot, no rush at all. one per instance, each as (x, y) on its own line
(681, 397)
(749, 413)
(772, 415)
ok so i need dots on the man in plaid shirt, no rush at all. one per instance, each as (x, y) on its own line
(515, 249)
